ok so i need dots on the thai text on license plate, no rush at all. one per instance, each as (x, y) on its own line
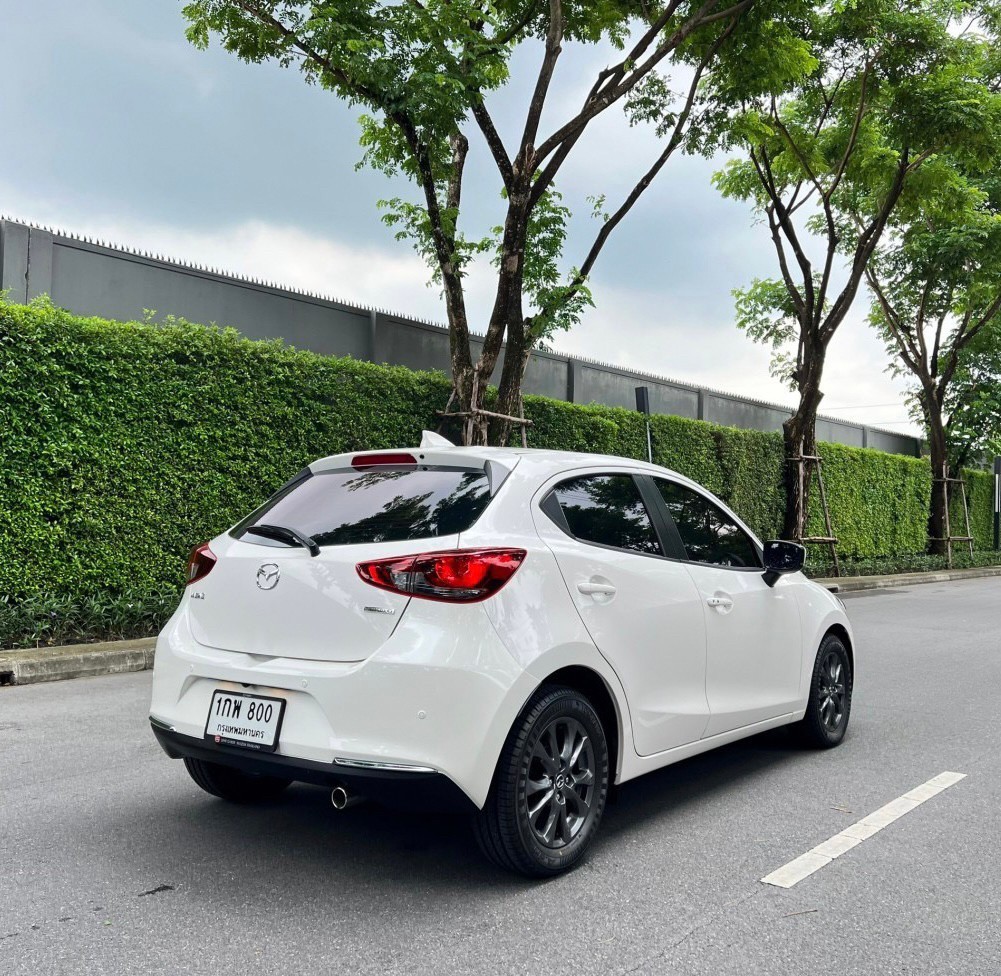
(249, 721)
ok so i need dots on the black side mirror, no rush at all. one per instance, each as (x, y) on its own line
(782, 557)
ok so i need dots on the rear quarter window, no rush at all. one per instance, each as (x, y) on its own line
(386, 504)
(607, 510)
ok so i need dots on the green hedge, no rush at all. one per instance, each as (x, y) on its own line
(124, 444)
(980, 498)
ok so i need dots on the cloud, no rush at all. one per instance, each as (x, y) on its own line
(665, 332)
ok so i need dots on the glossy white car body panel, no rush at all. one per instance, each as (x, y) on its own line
(664, 682)
(433, 696)
(438, 686)
(234, 613)
(754, 656)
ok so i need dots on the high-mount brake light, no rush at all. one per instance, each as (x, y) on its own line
(456, 576)
(374, 460)
(200, 563)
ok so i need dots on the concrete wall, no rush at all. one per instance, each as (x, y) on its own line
(91, 278)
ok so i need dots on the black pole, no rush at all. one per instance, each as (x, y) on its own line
(643, 406)
(997, 503)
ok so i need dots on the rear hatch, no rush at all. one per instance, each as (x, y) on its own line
(269, 597)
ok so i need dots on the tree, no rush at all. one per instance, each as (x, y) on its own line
(826, 164)
(422, 71)
(973, 401)
(936, 289)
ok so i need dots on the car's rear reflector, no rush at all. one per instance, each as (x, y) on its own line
(371, 460)
(200, 563)
(459, 575)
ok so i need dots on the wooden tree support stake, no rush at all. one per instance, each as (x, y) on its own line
(521, 421)
(949, 538)
(830, 539)
(478, 411)
(474, 412)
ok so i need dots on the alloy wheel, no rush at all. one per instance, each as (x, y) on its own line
(559, 789)
(831, 703)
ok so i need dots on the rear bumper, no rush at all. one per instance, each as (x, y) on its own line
(440, 694)
(424, 790)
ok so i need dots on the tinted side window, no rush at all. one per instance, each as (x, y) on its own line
(383, 504)
(709, 535)
(607, 509)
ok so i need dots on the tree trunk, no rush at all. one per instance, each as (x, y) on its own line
(516, 356)
(470, 383)
(800, 440)
(506, 320)
(940, 494)
(469, 391)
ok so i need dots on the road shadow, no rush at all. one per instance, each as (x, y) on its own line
(301, 843)
(670, 791)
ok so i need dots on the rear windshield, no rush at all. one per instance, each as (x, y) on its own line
(345, 507)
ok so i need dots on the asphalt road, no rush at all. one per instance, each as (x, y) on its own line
(112, 861)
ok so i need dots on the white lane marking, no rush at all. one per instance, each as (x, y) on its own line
(821, 855)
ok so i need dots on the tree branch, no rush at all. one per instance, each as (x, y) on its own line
(494, 142)
(554, 39)
(825, 195)
(320, 60)
(617, 72)
(953, 358)
(905, 341)
(677, 137)
(444, 244)
(797, 152)
(833, 237)
(794, 293)
(499, 40)
(992, 310)
(853, 137)
(785, 224)
(931, 365)
(615, 83)
(460, 147)
(863, 251)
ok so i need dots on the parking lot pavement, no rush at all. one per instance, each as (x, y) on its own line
(112, 861)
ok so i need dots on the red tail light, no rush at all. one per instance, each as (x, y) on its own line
(200, 563)
(461, 575)
(371, 460)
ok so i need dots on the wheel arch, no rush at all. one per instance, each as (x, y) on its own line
(841, 632)
(593, 686)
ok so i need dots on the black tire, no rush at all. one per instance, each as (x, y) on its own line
(572, 786)
(830, 703)
(230, 784)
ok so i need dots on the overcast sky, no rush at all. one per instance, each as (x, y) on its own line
(117, 128)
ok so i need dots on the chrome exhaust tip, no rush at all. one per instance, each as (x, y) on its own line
(341, 799)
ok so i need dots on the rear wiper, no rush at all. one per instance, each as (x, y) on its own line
(283, 534)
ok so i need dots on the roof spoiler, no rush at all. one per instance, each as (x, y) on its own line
(496, 471)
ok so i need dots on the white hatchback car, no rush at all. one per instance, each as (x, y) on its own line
(514, 629)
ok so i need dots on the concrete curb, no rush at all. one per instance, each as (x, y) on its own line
(25, 667)
(848, 584)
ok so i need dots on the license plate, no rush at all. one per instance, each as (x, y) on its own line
(247, 721)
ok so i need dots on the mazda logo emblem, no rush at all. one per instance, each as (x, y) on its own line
(268, 576)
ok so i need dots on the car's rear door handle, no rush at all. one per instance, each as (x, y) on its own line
(720, 602)
(604, 589)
